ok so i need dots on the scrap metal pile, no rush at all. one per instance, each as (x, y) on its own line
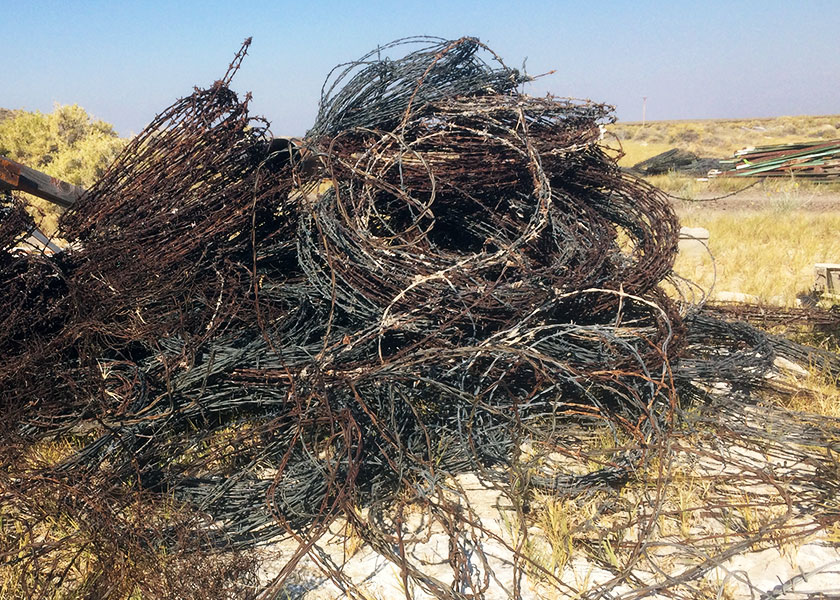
(814, 160)
(675, 160)
(236, 349)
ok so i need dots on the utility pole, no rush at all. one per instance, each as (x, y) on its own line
(644, 109)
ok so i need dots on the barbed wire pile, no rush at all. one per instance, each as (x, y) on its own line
(244, 344)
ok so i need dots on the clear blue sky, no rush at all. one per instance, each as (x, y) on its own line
(126, 61)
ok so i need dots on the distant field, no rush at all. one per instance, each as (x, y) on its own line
(767, 253)
(718, 138)
(765, 240)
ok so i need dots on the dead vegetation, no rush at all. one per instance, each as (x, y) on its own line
(719, 138)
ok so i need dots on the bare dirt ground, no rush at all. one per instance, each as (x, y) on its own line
(758, 200)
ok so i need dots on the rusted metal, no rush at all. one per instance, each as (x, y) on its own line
(9, 174)
(15, 176)
(251, 339)
(819, 161)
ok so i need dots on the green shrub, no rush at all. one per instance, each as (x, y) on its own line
(66, 143)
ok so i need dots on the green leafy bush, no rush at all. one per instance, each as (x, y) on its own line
(66, 143)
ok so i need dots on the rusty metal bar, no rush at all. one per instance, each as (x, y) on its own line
(15, 176)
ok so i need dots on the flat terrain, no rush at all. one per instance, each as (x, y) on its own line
(763, 243)
(753, 199)
(763, 240)
(718, 138)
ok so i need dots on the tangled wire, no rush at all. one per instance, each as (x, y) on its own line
(236, 349)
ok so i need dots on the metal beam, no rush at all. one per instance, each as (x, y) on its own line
(15, 176)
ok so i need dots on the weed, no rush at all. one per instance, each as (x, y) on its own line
(678, 185)
(353, 540)
(557, 524)
(817, 392)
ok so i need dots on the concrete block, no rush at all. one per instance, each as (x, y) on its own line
(693, 240)
(827, 278)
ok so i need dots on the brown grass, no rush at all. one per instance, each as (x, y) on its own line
(719, 138)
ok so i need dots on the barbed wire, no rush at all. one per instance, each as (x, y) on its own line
(237, 350)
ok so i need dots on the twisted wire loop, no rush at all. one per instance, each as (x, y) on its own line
(240, 349)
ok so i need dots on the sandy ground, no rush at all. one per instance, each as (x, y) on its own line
(807, 570)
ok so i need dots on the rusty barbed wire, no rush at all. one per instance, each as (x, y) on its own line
(238, 349)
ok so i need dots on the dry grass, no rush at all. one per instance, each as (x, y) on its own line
(795, 192)
(719, 138)
(692, 188)
(635, 152)
(817, 392)
(769, 254)
(716, 138)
